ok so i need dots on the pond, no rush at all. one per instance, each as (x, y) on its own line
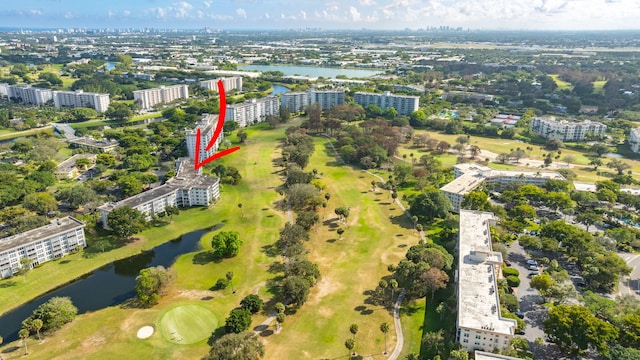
(279, 89)
(313, 71)
(110, 65)
(107, 286)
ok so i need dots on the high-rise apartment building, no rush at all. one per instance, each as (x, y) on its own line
(253, 111)
(147, 99)
(404, 104)
(634, 140)
(298, 101)
(79, 98)
(207, 127)
(229, 83)
(550, 128)
(29, 95)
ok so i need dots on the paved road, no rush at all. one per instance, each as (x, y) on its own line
(396, 321)
(630, 284)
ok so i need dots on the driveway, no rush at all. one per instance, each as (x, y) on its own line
(530, 300)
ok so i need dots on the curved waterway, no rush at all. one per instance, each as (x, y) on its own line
(107, 286)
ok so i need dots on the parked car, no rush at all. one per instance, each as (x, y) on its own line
(532, 267)
(533, 273)
(532, 262)
(519, 314)
(507, 262)
(520, 332)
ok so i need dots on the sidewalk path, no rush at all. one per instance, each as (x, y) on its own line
(396, 321)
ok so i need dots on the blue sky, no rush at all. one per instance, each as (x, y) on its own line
(329, 14)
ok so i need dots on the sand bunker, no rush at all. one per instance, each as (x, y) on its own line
(145, 332)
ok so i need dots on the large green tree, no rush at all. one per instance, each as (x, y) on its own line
(54, 313)
(574, 329)
(126, 221)
(226, 244)
(238, 321)
(429, 205)
(40, 202)
(151, 284)
(242, 346)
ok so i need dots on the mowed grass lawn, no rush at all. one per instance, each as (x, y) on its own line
(196, 273)
(351, 268)
(580, 165)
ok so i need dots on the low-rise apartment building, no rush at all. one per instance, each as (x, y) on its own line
(469, 177)
(68, 169)
(550, 128)
(45, 243)
(634, 140)
(147, 99)
(188, 188)
(253, 111)
(479, 325)
(92, 145)
(404, 104)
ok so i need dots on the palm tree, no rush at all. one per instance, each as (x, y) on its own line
(383, 285)
(37, 325)
(393, 284)
(24, 334)
(373, 185)
(385, 329)
(354, 330)
(229, 276)
(240, 207)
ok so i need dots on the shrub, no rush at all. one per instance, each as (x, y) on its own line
(513, 281)
(510, 272)
(221, 284)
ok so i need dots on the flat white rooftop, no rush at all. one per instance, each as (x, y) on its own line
(478, 303)
(482, 355)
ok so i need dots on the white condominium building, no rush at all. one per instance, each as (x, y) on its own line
(79, 98)
(634, 140)
(147, 99)
(326, 98)
(207, 127)
(550, 128)
(188, 188)
(45, 243)
(403, 104)
(479, 325)
(229, 83)
(4, 89)
(469, 177)
(295, 101)
(29, 95)
(253, 111)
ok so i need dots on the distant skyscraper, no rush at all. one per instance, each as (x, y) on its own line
(229, 83)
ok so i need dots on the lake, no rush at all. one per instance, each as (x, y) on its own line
(313, 71)
(110, 285)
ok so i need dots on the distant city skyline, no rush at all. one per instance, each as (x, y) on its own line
(349, 14)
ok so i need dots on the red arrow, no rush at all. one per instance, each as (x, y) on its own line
(216, 133)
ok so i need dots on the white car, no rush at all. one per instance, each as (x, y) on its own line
(532, 268)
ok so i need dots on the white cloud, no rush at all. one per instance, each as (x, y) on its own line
(354, 14)
(68, 15)
(126, 12)
(267, 16)
(303, 15)
(366, 2)
(36, 12)
(241, 12)
(206, 4)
